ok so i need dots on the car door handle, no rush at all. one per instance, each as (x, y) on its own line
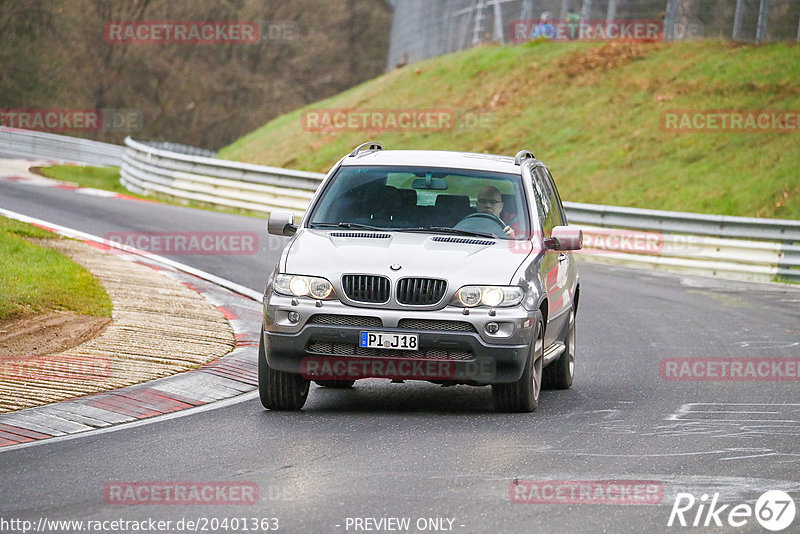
(562, 257)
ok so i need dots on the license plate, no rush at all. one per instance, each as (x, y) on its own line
(384, 340)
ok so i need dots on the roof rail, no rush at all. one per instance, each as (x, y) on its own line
(523, 154)
(372, 145)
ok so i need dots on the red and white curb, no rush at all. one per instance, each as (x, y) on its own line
(230, 376)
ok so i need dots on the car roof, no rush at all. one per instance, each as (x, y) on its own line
(435, 158)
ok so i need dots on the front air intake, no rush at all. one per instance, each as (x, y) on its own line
(420, 291)
(366, 288)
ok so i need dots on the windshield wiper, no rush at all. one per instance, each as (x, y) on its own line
(346, 225)
(445, 230)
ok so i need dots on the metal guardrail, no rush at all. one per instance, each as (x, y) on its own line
(231, 184)
(181, 148)
(684, 222)
(56, 147)
(742, 247)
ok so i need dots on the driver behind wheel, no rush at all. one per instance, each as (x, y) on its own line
(491, 201)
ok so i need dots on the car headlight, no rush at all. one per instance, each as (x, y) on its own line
(492, 296)
(303, 286)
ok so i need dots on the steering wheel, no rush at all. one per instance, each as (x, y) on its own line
(479, 221)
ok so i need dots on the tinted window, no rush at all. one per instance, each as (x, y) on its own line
(411, 197)
(556, 198)
(553, 216)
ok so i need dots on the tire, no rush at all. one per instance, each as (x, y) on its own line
(279, 390)
(559, 374)
(335, 384)
(523, 395)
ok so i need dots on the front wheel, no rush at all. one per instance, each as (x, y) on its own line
(279, 390)
(523, 395)
(558, 375)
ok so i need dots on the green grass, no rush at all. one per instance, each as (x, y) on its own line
(106, 178)
(592, 112)
(34, 279)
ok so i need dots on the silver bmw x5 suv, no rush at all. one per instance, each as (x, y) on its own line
(450, 267)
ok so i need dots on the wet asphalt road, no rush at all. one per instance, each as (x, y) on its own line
(420, 451)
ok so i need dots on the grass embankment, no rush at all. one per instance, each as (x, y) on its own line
(593, 113)
(35, 279)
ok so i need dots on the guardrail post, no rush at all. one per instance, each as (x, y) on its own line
(586, 10)
(737, 20)
(798, 28)
(611, 13)
(763, 13)
(670, 15)
(498, 23)
(477, 29)
(563, 13)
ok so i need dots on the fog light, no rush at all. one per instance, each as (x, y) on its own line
(293, 317)
(492, 328)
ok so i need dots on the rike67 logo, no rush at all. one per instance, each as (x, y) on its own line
(774, 510)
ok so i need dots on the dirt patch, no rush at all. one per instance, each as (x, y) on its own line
(160, 327)
(47, 333)
(612, 55)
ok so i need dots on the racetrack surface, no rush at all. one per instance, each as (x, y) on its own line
(418, 450)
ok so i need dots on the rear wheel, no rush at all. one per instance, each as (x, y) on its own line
(523, 395)
(335, 384)
(558, 375)
(279, 390)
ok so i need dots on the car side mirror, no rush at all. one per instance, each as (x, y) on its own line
(565, 238)
(281, 223)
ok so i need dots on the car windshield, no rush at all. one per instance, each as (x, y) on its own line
(408, 199)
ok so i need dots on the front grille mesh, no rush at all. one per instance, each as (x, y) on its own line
(345, 349)
(345, 320)
(420, 291)
(366, 288)
(432, 324)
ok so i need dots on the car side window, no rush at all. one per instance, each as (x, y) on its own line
(553, 216)
(541, 205)
(557, 204)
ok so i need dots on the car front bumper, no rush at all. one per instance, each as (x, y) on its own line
(324, 342)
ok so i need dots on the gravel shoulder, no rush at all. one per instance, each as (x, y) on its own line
(159, 327)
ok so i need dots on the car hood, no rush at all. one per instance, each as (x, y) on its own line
(460, 260)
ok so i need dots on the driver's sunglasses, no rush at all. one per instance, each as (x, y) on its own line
(488, 201)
